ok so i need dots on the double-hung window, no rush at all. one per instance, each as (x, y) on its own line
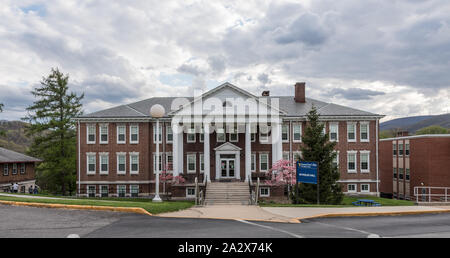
(91, 128)
(91, 168)
(121, 163)
(121, 190)
(351, 188)
(253, 163)
(121, 134)
(134, 163)
(191, 135)
(351, 132)
(169, 134)
(191, 163)
(285, 133)
(104, 134)
(365, 188)
(134, 134)
(297, 132)
(134, 190)
(104, 163)
(395, 173)
(336, 160)
(22, 168)
(351, 161)
(407, 149)
(5, 169)
(104, 190)
(364, 131)
(334, 132)
(14, 169)
(394, 149)
(234, 137)
(220, 135)
(407, 174)
(263, 162)
(91, 191)
(202, 163)
(400, 149)
(169, 162)
(364, 160)
(159, 162)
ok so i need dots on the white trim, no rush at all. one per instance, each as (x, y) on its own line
(189, 195)
(416, 136)
(352, 171)
(87, 133)
(260, 163)
(365, 191)
(293, 132)
(237, 137)
(167, 134)
(349, 125)
(102, 155)
(287, 127)
(351, 191)
(364, 152)
(90, 154)
(330, 124)
(368, 131)
(264, 195)
(131, 133)
(120, 154)
(191, 131)
(131, 163)
(124, 133)
(190, 171)
(100, 133)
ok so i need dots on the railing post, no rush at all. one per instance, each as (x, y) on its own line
(196, 191)
(429, 194)
(257, 192)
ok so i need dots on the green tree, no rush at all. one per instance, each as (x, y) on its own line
(387, 134)
(53, 128)
(316, 147)
(2, 133)
(432, 129)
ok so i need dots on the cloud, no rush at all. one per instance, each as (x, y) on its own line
(353, 93)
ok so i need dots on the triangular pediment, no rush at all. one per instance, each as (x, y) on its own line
(227, 147)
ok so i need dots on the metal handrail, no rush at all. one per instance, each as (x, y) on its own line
(425, 194)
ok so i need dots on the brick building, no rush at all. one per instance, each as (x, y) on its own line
(410, 161)
(16, 168)
(224, 134)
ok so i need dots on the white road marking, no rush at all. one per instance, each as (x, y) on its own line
(271, 228)
(369, 235)
(73, 236)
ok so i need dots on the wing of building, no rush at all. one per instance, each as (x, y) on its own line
(16, 168)
(226, 134)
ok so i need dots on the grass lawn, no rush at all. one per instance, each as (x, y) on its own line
(347, 202)
(147, 204)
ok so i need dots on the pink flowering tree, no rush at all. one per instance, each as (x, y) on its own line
(164, 177)
(283, 173)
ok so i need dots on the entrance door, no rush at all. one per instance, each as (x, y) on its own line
(227, 167)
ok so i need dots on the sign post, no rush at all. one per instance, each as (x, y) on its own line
(308, 172)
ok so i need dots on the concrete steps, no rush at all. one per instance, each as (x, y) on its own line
(227, 193)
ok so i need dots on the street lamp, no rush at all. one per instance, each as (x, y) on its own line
(157, 111)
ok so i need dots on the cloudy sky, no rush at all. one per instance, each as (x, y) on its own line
(387, 57)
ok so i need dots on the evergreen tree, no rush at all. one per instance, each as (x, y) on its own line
(316, 147)
(2, 133)
(51, 124)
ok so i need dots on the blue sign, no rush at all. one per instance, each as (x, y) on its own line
(307, 172)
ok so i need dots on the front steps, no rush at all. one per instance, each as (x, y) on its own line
(227, 193)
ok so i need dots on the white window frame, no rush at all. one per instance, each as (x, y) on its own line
(131, 190)
(202, 161)
(118, 190)
(294, 125)
(14, 169)
(356, 162)
(101, 190)
(237, 137)
(134, 154)
(330, 126)
(368, 161)
(101, 158)
(365, 191)
(90, 154)
(252, 137)
(190, 195)
(201, 135)
(191, 131)
(120, 154)
(159, 163)
(264, 195)
(100, 133)
(191, 171)
(285, 127)
(253, 162)
(265, 138)
(360, 131)
(260, 162)
(89, 190)
(87, 133)
(23, 168)
(131, 134)
(169, 154)
(5, 169)
(124, 134)
(349, 125)
(169, 133)
(221, 132)
(351, 191)
(337, 159)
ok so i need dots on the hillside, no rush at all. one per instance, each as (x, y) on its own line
(414, 123)
(15, 138)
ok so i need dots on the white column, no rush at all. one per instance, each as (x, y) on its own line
(276, 142)
(248, 152)
(177, 150)
(206, 154)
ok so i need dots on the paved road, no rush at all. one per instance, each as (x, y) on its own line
(42, 222)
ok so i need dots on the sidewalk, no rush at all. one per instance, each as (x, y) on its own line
(295, 214)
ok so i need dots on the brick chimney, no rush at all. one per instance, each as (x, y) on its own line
(300, 92)
(266, 93)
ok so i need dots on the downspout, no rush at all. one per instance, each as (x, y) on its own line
(378, 182)
(290, 141)
(79, 160)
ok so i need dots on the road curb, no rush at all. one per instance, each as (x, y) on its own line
(78, 207)
(293, 220)
(366, 214)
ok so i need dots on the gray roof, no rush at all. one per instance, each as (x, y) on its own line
(9, 156)
(287, 104)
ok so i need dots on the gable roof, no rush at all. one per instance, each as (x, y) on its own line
(287, 106)
(9, 156)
